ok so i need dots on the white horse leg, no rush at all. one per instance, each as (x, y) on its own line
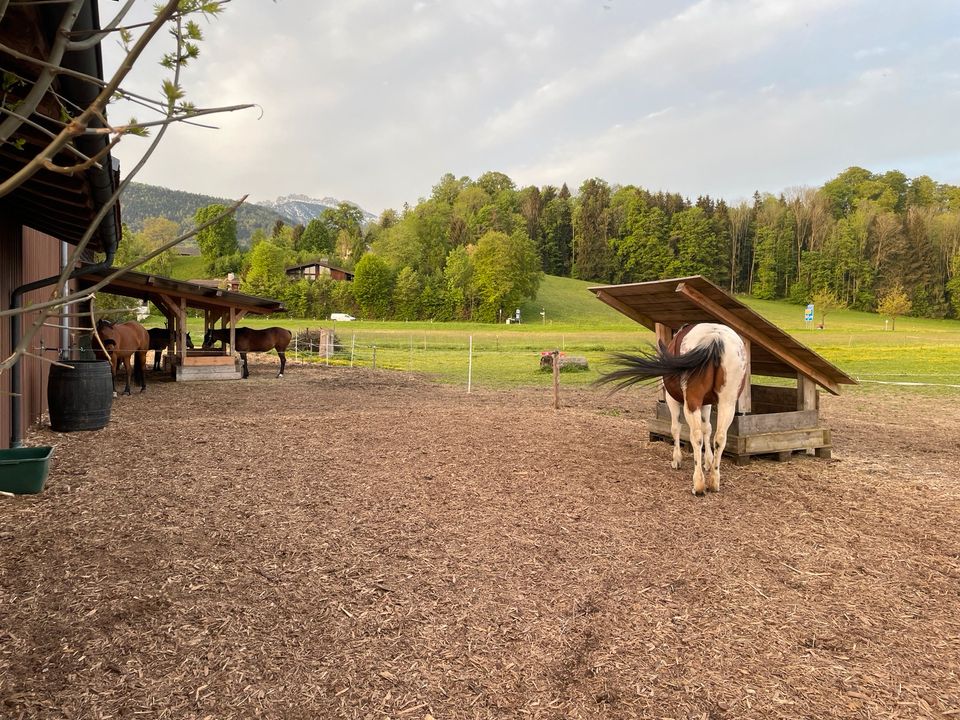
(696, 440)
(707, 435)
(674, 407)
(725, 411)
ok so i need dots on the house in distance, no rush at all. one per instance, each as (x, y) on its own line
(317, 268)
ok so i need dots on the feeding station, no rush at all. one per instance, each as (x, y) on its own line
(771, 419)
(173, 298)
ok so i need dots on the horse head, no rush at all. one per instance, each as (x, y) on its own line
(189, 342)
(208, 340)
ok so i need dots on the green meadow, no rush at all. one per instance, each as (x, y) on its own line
(921, 351)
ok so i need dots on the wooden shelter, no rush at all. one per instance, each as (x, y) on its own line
(770, 419)
(173, 298)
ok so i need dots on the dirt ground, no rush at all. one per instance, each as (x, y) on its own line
(366, 544)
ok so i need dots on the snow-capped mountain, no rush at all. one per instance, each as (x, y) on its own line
(300, 209)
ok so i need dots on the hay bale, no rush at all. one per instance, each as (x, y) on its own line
(567, 363)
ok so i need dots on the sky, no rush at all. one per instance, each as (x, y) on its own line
(372, 101)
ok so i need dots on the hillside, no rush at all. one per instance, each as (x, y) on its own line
(141, 201)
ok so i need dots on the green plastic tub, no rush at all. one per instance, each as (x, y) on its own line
(24, 470)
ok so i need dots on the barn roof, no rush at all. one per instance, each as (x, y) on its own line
(680, 301)
(156, 287)
(56, 203)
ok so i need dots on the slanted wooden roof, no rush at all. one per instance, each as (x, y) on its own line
(682, 301)
(154, 287)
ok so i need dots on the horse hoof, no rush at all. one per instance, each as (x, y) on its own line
(280, 375)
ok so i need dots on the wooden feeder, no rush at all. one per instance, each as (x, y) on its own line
(770, 420)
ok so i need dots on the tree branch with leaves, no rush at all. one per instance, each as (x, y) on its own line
(171, 107)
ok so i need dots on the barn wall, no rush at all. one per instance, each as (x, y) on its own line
(25, 255)
(10, 262)
(41, 259)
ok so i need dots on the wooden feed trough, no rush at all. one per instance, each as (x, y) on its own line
(207, 365)
(770, 420)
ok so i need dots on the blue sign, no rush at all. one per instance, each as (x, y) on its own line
(808, 313)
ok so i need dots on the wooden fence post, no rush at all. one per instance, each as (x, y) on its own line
(556, 379)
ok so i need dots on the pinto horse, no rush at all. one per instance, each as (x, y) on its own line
(250, 340)
(160, 339)
(123, 341)
(704, 365)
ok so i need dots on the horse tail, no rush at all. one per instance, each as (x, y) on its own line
(660, 362)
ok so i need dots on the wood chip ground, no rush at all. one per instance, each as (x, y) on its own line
(349, 543)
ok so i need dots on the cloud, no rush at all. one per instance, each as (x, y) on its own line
(373, 100)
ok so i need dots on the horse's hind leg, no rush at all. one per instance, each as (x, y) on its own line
(246, 371)
(707, 435)
(283, 363)
(140, 367)
(696, 440)
(725, 412)
(126, 366)
(675, 407)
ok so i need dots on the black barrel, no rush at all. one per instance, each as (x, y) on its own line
(80, 396)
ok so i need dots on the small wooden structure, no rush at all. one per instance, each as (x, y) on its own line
(770, 419)
(172, 298)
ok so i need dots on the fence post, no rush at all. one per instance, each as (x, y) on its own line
(374, 357)
(556, 379)
(353, 346)
(410, 364)
(470, 366)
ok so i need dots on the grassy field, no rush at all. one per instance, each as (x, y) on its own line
(919, 351)
(187, 267)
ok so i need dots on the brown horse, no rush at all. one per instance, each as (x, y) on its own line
(123, 340)
(704, 364)
(250, 340)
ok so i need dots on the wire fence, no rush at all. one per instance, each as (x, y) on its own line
(496, 359)
(473, 360)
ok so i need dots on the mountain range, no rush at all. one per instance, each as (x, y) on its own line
(141, 201)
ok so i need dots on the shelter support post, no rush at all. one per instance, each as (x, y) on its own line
(233, 329)
(745, 401)
(806, 393)
(665, 335)
(182, 332)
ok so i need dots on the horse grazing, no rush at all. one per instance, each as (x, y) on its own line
(250, 340)
(160, 339)
(123, 340)
(704, 364)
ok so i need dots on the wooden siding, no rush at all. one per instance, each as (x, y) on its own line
(26, 255)
(10, 261)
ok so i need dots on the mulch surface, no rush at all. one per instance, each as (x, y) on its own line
(348, 543)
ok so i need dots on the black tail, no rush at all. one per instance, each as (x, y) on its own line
(659, 362)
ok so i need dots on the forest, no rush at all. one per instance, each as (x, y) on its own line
(475, 248)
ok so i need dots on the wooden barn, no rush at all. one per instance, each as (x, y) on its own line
(42, 215)
(771, 419)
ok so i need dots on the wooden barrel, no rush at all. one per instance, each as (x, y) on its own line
(80, 397)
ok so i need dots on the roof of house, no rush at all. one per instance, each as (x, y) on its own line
(147, 287)
(58, 204)
(681, 301)
(321, 263)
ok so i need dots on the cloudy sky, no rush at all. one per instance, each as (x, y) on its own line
(373, 100)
